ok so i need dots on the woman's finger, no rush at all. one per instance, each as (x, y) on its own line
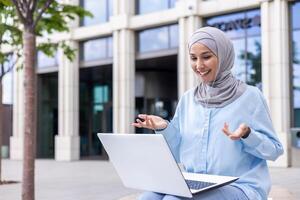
(152, 123)
(234, 137)
(142, 124)
(147, 121)
(136, 125)
(226, 130)
(142, 116)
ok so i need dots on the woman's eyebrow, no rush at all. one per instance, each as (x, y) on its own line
(206, 52)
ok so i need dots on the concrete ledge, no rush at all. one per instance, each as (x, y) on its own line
(280, 193)
(277, 193)
(131, 197)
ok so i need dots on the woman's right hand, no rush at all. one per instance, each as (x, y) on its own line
(150, 121)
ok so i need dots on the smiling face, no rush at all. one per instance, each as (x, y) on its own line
(204, 62)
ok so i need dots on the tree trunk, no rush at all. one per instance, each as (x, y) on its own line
(29, 41)
(1, 129)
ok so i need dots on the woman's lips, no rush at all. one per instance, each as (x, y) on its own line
(204, 73)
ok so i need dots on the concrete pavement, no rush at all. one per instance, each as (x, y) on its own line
(97, 180)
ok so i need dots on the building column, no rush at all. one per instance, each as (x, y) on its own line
(123, 68)
(188, 23)
(123, 81)
(276, 70)
(67, 142)
(16, 140)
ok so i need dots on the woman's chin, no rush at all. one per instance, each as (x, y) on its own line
(203, 80)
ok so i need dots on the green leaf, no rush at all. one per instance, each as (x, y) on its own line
(6, 2)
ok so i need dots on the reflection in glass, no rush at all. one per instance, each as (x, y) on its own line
(296, 61)
(239, 69)
(45, 61)
(253, 61)
(237, 25)
(174, 35)
(296, 76)
(153, 39)
(110, 47)
(7, 88)
(146, 6)
(156, 89)
(254, 22)
(7, 81)
(47, 120)
(158, 38)
(227, 24)
(95, 108)
(243, 29)
(96, 49)
(296, 15)
(101, 10)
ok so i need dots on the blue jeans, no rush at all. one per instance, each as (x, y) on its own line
(227, 192)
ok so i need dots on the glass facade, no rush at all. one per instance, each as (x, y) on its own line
(160, 38)
(96, 49)
(47, 120)
(7, 83)
(95, 109)
(156, 87)
(101, 10)
(44, 61)
(7, 100)
(243, 29)
(296, 62)
(144, 7)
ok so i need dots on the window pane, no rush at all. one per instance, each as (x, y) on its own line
(296, 62)
(253, 20)
(231, 24)
(100, 9)
(110, 47)
(153, 39)
(172, 3)
(239, 69)
(94, 49)
(254, 61)
(146, 6)
(296, 15)
(110, 8)
(244, 31)
(45, 61)
(7, 80)
(296, 68)
(7, 83)
(174, 35)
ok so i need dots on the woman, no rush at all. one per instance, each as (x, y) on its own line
(220, 127)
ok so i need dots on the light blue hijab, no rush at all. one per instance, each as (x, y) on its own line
(225, 88)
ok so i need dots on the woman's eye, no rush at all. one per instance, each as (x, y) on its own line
(206, 57)
(193, 58)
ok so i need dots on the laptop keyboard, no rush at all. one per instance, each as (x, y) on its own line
(197, 185)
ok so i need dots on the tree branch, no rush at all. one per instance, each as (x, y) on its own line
(27, 4)
(9, 68)
(33, 4)
(19, 10)
(46, 6)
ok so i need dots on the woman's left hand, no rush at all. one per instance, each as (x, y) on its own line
(241, 131)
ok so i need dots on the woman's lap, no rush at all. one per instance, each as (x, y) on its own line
(223, 193)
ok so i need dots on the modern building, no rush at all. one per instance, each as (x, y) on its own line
(133, 58)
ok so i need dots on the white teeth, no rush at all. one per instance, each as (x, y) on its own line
(204, 73)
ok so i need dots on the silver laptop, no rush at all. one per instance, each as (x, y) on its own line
(145, 162)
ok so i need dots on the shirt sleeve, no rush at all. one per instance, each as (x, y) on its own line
(262, 142)
(172, 134)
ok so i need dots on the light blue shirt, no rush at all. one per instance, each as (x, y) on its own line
(196, 140)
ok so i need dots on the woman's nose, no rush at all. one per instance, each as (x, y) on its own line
(199, 65)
